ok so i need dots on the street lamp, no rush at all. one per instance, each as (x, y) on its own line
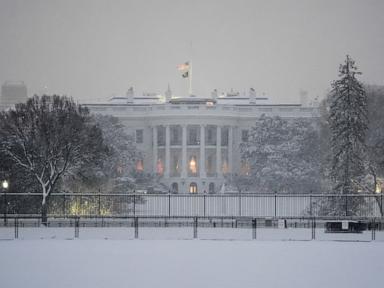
(5, 186)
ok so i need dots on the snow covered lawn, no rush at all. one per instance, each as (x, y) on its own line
(181, 233)
(189, 263)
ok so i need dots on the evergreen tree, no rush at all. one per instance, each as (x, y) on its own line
(348, 125)
(283, 156)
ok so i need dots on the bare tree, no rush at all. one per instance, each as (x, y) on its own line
(48, 137)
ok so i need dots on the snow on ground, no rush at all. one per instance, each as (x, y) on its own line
(58, 263)
(182, 233)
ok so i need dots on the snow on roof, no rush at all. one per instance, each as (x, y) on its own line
(153, 98)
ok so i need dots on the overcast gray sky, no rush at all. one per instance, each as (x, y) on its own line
(90, 49)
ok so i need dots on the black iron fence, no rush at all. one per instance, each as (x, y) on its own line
(200, 205)
(130, 227)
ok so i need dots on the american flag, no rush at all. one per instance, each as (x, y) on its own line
(183, 67)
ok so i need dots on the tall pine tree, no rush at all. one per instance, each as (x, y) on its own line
(348, 124)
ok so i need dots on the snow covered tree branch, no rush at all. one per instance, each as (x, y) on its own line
(348, 124)
(48, 137)
(283, 155)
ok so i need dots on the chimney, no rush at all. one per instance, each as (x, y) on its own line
(252, 96)
(130, 95)
(214, 94)
(168, 94)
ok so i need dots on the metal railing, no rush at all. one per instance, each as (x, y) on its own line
(198, 205)
(29, 227)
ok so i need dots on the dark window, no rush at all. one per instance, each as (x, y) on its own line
(211, 188)
(244, 135)
(210, 167)
(161, 135)
(193, 136)
(139, 136)
(176, 135)
(175, 187)
(224, 136)
(211, 135)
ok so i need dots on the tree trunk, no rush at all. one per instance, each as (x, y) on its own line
(44, 211)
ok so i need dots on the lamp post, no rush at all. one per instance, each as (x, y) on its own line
(5, 186)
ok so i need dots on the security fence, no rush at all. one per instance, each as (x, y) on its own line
(194, 205)
(244, 228)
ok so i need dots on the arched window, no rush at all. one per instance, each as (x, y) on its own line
(193, 187)
(175, 188)
(211, 188)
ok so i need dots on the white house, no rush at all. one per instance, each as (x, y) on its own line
(192, 142)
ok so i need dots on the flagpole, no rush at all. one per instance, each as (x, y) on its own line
(190, 78)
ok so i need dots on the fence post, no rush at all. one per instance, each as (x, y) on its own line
(310, 204)
(81, 205)
(77, 227)
(99, 204)
(346, 205)
(275, 204)
(16, 228)
(134, 204)
(313, 228)
(373, 230)
(239, 204)
(169, 205)
(195, 228)
(64, 201)
(136, 223)
(381, 206)
(254, 226)
(5, 208)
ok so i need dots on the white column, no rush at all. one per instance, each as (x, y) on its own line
(218, 151)
(167, 152)
(203, 173)
(154, 154)
(184, 152)
(230, 149)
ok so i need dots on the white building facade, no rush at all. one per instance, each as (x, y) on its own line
(12, 93)
(192, 143)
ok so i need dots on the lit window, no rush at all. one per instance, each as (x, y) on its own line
(193, 187)
(160, 167)
(193, 165)
(378, 188)
(225, 167)
(139, 166)
(175, 163)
